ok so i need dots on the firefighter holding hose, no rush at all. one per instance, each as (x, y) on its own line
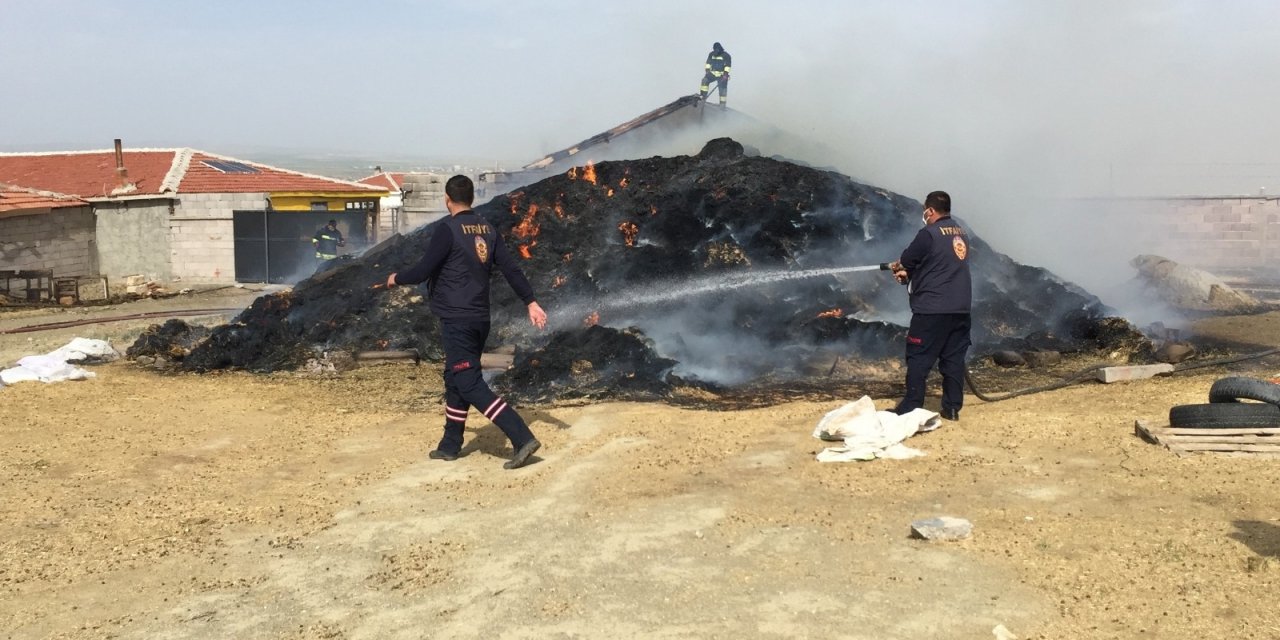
(719, 63)
(460, 255)
(935, 268)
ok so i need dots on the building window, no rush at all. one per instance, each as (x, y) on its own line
(319, 206)
(361, 205)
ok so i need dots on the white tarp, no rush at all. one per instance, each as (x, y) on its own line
(868, 434)
(56, 366)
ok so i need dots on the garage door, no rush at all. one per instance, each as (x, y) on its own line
(275, 246)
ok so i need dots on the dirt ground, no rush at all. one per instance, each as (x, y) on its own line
(144, 505)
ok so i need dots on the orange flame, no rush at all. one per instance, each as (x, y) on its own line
(589, 173)
(573, 173)
(832, 313)
(592, 320)
(515, 202)
(608, 193)
(629, 232)
(560, 280)
(382, 344)
(559, 209)
(568, 256)
(622, 184)
(653, 210)
(528, 228)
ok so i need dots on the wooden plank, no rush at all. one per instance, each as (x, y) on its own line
(1243, 454)
(1242, 439)
(1194, 446)
(1214, 431)
(1146, 432)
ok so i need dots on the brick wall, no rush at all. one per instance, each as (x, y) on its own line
(61, 240)
(201, 240)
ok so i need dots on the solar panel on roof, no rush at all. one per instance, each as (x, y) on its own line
(229, 166)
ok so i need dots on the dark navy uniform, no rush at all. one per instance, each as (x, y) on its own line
(719, 64)
(459, 259)
(941, 294)
(326, 241)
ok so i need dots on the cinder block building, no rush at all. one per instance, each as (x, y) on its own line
(41, 230)
(416, 198)
(196, 217)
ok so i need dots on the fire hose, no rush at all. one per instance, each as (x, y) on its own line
(136, 316)
(1088, 373)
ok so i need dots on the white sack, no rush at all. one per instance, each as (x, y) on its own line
(868, 434)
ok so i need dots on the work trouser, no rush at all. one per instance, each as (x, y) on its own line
(722, 84)
(464, 387)
(942, 338)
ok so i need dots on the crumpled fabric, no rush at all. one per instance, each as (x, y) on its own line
(868, 434)
(56, 366)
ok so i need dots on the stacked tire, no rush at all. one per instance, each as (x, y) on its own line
(1234, 402)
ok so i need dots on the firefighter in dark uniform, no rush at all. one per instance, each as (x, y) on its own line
(460, 255)
(327, 240)
(935, 268)
(719, 63)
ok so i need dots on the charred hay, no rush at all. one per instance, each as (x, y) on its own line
(615, 244)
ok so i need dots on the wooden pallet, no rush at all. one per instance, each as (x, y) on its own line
(1252, 442)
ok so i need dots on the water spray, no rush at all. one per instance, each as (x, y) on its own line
(656, 293)
(731, 282)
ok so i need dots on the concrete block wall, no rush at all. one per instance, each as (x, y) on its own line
(61, 240)
(133, 238)
(1215, 233)
(201, 235)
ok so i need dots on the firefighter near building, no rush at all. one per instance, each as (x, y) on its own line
(327, 240)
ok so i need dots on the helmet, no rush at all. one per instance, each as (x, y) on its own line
(717, 48)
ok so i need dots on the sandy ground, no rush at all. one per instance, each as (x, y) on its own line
(142, 505)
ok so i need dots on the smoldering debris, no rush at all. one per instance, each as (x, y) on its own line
(721, 237)
(171, 341)
(594, 362)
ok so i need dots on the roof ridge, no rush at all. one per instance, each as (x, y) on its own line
(389, 175)
(5, 186)
(15, 154)
(177, 170)
(296, 173)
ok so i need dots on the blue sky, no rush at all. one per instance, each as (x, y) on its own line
(1048, 96)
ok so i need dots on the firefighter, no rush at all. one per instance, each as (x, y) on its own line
(327, 240)
(935, 268)
(460, 255)
(719, 63)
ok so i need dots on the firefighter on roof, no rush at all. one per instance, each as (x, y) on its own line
(719, 63)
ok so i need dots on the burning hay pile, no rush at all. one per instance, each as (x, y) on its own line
(720, 267)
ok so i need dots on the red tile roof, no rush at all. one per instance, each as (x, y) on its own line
(87, 174)
(92, 174)
(13, 199)
(203, 176)
(391, 181)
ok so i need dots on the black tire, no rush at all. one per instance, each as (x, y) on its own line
(1236, 388)
(1225, 414)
